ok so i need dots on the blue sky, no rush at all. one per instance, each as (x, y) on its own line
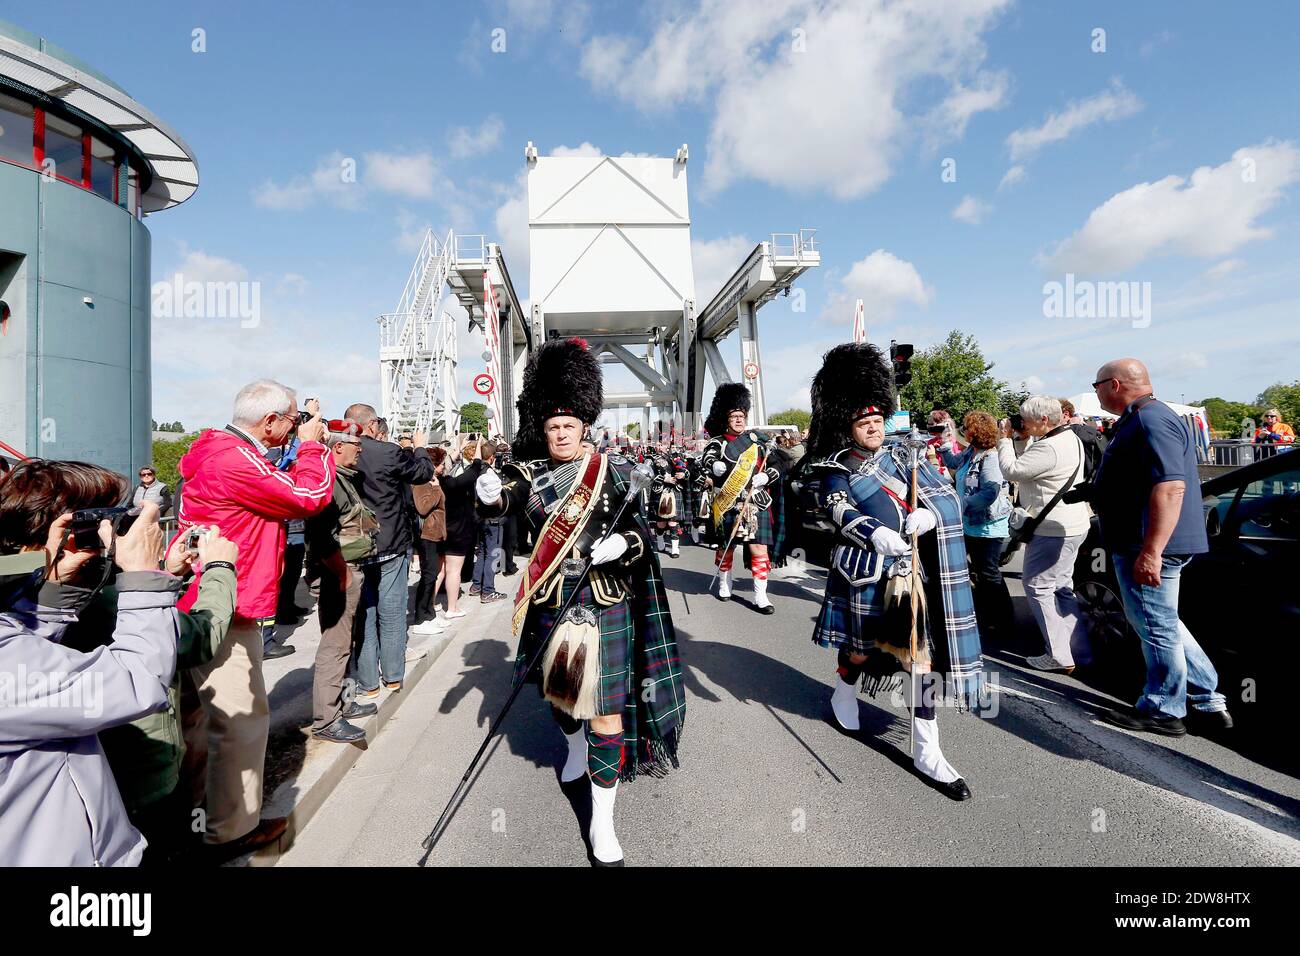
(1173, 157)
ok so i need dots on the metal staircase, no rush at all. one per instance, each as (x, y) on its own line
(417, 348)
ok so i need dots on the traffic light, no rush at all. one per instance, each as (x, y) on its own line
(900, 358)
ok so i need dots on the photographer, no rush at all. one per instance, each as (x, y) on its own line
(59, 804)
(229, 483)
(1274, 431)
(145, 755)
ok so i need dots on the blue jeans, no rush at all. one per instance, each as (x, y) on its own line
(1178, 671)
(383, 622)
(489, 558)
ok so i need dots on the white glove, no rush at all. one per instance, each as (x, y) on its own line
(719, 469)
(488, 488)
(759, 480)
(889, 542)
(919, 521)
(610, 549)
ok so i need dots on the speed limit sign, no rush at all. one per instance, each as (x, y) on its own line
(483, 383)
(751, 370)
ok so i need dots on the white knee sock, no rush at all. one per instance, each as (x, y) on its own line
(604, 842)
(575, 765)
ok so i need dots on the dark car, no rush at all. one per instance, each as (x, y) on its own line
(1241, 600)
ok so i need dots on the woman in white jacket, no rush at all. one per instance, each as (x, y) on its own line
(1052, 460)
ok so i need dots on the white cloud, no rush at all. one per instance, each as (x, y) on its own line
(198, 266)
(1014, 175)
(411, 231)
(1069, 361)
(1033, 384)
(292, 282)
(1106, 106)
(714, 261)
(1223, 269)
(1183, 365)
(411, 175)
(466, 142)
(810, 93)
(1205, 215)
(884, 282)
(332, 180)
(971, 210)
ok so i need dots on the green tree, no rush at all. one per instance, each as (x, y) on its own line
(473, 417)
(1226, 417)
(791, 416)
(167, 454)
(1285, 398)
(954, 376)
(633, 431)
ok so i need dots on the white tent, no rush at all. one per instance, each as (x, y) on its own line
(1086, 404)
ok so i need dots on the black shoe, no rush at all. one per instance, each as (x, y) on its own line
(597, 863)
(769, 609)
(512, 569)
(341, 732)
(355, 711)
(489, 597)
(275, 649)
(957, 790)
(1168, 726)
(1206, 723)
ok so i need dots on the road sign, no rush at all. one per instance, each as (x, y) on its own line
(751, 370)
(483, 383)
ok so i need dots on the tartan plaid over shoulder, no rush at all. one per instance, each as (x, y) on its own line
(854, 497)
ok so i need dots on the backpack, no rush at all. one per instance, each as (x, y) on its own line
(358, 527)
(1094, 446)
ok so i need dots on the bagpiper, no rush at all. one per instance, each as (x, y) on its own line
(865, 487)
(612, 662)
(745, 483)
(667, 500)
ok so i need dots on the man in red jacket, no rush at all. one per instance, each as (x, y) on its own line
(230, 484)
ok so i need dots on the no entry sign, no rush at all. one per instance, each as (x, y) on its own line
(483, 383)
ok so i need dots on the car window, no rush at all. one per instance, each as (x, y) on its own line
(1269, 508)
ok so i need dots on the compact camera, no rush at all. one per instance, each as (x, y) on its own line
(194, 536)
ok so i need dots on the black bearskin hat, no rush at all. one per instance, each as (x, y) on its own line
(853, 378)
(562, 378)
(730, 397)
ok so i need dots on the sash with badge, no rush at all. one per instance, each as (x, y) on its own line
(570, 668)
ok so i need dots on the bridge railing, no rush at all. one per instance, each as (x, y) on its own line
(794, 245)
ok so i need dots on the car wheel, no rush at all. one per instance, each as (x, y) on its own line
(1108, 627)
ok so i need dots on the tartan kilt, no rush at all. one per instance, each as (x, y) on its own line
(679, 505)
(766, 533)
(850, 615)
(616, 636)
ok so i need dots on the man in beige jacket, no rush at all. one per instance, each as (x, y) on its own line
(1052, 460)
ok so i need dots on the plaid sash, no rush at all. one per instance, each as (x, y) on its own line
(564, 526)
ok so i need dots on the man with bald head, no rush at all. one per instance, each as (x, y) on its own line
(1147, 496)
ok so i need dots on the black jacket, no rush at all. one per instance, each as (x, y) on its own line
(385, 470)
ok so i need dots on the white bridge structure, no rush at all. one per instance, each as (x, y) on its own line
(610, 261)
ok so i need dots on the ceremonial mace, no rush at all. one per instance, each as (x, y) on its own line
(749, 493)
(639, 478)
(915, 441)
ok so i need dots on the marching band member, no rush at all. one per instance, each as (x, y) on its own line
(865, 489)
(668, 500)
(735, 466)
(612, 662)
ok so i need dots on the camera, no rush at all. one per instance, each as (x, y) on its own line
(194, 536)
(1017, 423)
(85, 525)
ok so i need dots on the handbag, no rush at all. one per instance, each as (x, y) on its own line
(1020, 536)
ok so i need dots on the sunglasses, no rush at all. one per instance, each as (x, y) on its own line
(1104, 381)
(146, 474)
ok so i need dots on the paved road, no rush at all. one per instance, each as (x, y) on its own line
(765, 779)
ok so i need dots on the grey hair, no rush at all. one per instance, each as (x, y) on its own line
(361, 414)
(1042, 406)
(264, 397)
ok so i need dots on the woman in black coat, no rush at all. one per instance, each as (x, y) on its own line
(462, 527)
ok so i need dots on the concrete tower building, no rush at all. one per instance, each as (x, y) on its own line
(81, 164)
